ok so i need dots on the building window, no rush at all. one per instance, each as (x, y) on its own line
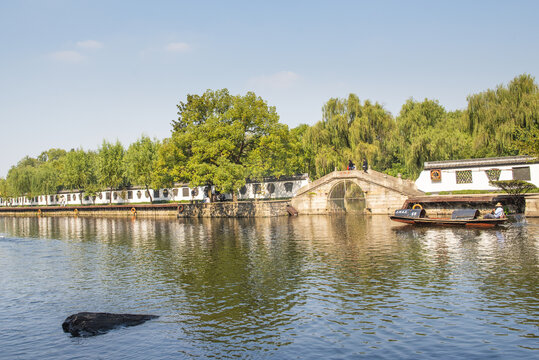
(185, 192)
(175, 192)
(436, 175)
(257, 189)
(165, 193)
(194, 192)
(115, 195)
(493, 174)
(464, 177)
(107, 195)
(271, 188)
(521, 173)
(288, 186)
(74, 197)
(155, 194)
(139, 194)
(243, 190)
(68, 197)
(130, 194)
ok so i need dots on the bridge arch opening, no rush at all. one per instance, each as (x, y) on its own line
(346, 196)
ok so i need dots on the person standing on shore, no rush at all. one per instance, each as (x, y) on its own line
(365, 165)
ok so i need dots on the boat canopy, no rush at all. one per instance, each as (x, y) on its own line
(465, 214)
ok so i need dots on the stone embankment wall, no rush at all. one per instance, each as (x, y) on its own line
(172, 210)
(235, 209)
(532, 206)
(229, 209)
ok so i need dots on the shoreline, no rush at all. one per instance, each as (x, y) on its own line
(169, 210)
(434, 205)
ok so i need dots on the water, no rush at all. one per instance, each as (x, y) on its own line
(308, 287)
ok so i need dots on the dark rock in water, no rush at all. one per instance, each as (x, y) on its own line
(90, 323)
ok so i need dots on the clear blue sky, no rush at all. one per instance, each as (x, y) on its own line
(73, 73)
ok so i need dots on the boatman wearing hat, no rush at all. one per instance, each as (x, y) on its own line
(497, 213)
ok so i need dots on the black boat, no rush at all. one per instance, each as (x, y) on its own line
(464, 217)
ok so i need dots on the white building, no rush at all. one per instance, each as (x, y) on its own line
(475, 174)
(269, 188)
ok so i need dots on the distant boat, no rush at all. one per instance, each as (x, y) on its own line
(465, 217)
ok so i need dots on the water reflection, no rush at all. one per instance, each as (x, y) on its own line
(320, 286)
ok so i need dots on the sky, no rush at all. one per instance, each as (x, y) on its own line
(73, 73)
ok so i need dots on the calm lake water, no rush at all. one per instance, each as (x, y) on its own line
(280, 288)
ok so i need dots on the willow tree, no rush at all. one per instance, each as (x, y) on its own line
(349, 130)
(110, 165)
(47, 178)
(77, 171)
(140, 162)
(4, 192)
(20, 179)
(300, 158)
(426, 132)
(220, 139)
(496, 116)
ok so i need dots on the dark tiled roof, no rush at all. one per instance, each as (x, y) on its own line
(495, 161)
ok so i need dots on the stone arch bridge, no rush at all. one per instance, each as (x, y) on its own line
(355, 191)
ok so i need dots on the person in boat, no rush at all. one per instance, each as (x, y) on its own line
(351, 165)
(497, 213)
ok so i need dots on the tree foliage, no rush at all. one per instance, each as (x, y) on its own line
(515, 188)
(110, 165)
(220, 139)
(140, 162)
(495, 116)
(78, 171)
(4, 193)
(426, 132)
(349, 130)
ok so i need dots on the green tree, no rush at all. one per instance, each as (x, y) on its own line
(349, 130)
(92, 187)
(77, 171)
(110, 165)
(141, 160)
(51, 155)
(217, 140)
(301, 156)
(47, 180)
(426, 132)
(4, 193)
(19, 179)
(496, 116)
(515, 188)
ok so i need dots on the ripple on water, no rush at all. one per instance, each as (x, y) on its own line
(306, 287)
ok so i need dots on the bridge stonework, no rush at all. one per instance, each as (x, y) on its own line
(383, 193)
